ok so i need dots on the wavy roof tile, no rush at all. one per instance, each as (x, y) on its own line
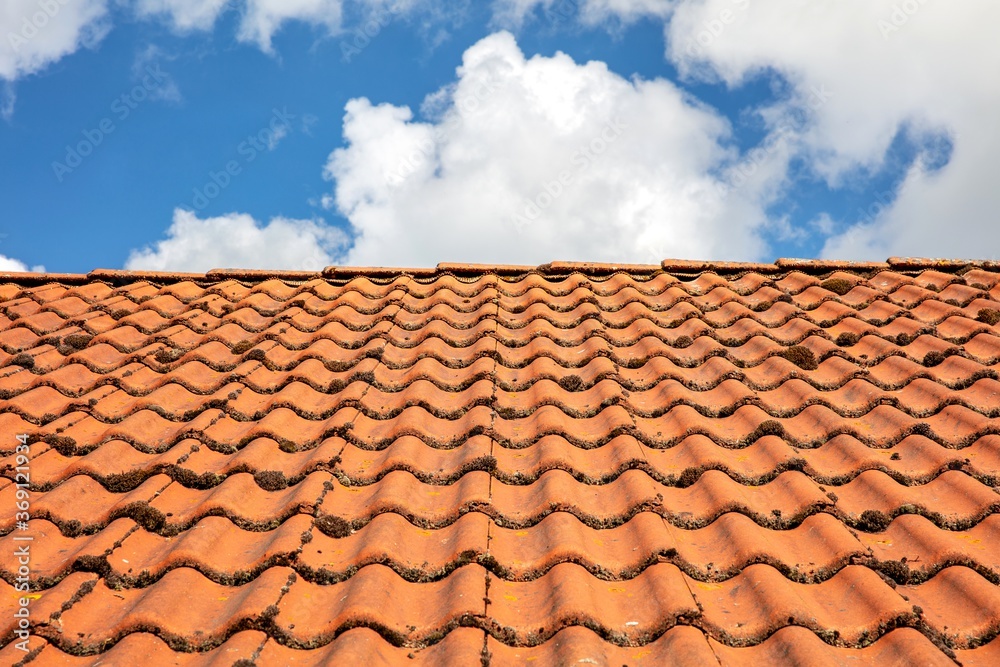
(693, 463)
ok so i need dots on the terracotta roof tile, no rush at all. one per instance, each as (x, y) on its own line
(684, 463)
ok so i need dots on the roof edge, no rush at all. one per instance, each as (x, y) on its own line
(466, 270)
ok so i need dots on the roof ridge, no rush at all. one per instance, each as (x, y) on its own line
(782, 265)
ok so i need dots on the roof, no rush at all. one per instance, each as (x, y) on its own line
(691, 463)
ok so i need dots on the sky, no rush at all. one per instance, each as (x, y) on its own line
(186, 135)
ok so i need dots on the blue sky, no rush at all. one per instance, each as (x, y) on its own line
(181, 135)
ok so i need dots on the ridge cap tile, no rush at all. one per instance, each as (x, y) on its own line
(598, 268)
(708, 266)
(827, 265)
(377, 272)
(944, 264)
(259, 275)
(122, 276)
(466, 269)
(34, 277)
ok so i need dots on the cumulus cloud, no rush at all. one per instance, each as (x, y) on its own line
(885, 69)
(238, 241)
(528, 160)
(36, 33)
(17, 266)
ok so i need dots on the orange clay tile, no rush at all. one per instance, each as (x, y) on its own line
(981, 656)
(81, 504)
(414, 455)
(691, 462)
(554, 452)
(613, 554)
(855, 604)
(917, 549)
(241, 498)
(264, 457)
(633, 611)
(53, 555)
(681, 645)
(364, 646)
(43, 604)
(416, 554)
(241, 646)
(347, 506)
(378, 598)
(797, 645)
(974, 613)
(144, 557)
(188, 610)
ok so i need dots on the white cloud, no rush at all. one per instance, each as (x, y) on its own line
(263, 18)
(36, 33)
(591, 12)
(480, 181)
(309, 121)
(184, 15)
(274, 138)
(238, 241)
(147, 61)
(917, 67)
(822, 223)
(17, 266)
(7, 98)
(260, 20)
(629, 11)
(514, 12)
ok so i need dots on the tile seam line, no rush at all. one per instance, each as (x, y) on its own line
(485, 655)
(30, 657)
(493, 398)
(668, 527)
(368, 385)
(357, 411)
(674, 541)
(100, 579)
(255, 656)
(119, 543)
(304, 539)
(673, 537)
